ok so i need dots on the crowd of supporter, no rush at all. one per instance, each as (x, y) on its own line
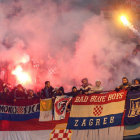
(19, 92)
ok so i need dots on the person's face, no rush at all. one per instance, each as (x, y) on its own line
(47, 84)
(20, 88)
(57, 91)
(74, 90)
(136, 82)
(5, 89)
(98, 83)
(31, 93)
(124, 81)
(84, 82)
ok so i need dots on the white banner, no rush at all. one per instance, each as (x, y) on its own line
(60, 106)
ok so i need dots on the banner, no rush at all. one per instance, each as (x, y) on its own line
(30, 129)
(20, 110)
(45, 110)
(61, 133)
(60, 106)
(132, 114)
(131, 130)
(110, 133)
(97, 111)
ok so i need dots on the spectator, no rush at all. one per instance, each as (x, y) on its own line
(74, 92)
(86, 88)
(125, 84)
(98, 88)
(136, 85)
(31, 94)
(61, 90)
(6, 91)
(136, 82)
(56, 91)
(1, 85)
(19, 92)
(47, 91)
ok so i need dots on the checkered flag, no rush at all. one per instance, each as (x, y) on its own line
(97, 110)
(58, 134)
(20, 110)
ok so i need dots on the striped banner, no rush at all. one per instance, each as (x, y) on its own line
(97, 111)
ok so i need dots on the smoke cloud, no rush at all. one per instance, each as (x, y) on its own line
(70, 41)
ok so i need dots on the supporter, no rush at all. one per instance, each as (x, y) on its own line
(3, 93)
(136, 82)
(47, 91)
(125, 84)
(31, 94)
(38, 94)
(19, 92)
(136, 85)
(75, 92)
(97, 88)
(59, 91)
(1, 85)
(6, 90)
(56, 91)
(85, 88)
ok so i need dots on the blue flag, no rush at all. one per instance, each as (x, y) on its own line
(132, 114)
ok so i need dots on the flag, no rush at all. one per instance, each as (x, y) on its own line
(20, 110)
(132, 113)
(97, 116)
(97, 111)
(45, 110)
(28, 130)
(131, 130)
(60, 132)
(60, 106)
(110, 133)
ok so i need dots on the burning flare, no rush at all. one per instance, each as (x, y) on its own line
(21, 76)
(124, 20)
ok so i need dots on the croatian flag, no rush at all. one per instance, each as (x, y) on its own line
(20, 120)
(20, 110)
(97, 111)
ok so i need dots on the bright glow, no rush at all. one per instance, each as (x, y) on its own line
(22, 77)
(124, 20)
(25, 58)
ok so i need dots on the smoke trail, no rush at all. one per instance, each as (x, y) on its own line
(129, 25)
(70, 40)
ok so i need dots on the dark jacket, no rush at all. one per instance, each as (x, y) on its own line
(47, 92)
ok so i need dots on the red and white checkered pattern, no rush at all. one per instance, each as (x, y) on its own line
(58, 134)
(20, 110)
(97, 110)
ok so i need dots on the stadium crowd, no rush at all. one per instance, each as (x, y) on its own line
(19, 92)
(9, 94)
